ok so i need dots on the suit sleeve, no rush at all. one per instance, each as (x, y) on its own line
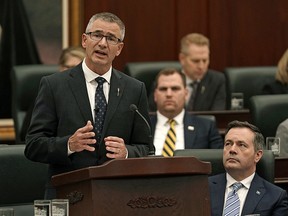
(281, 207)
(42, 145)
(282, 133)
(220, 96)
(215, 139)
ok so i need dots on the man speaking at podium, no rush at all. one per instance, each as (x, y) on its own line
(82, 116)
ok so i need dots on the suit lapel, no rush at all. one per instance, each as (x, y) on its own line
(153, 119)
(189, 131)
(77, 84)
(218, 190)
(201, 92)
(255, 194)
(117, 86)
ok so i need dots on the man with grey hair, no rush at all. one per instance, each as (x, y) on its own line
(241, 191)
(82, 116)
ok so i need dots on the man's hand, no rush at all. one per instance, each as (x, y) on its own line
(82, 138)
(116, 147)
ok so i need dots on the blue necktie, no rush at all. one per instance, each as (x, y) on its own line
(232, 206)
(100, 108)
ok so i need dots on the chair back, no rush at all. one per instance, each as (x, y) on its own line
(268, 111)
(22, 181)
(147, 71)
(25, 81)
(247, 80)
(265, 167)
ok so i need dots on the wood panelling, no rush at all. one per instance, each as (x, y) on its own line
(247, 33)
(241, 32)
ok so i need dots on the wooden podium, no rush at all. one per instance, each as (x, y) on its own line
(139, 186)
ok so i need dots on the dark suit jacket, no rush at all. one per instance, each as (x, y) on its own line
(275, 87)
(204, 136)
(211, 93)
(62, 106)
(263, 197)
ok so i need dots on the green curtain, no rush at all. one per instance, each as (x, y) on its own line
(17, 47)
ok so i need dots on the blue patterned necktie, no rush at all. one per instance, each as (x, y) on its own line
(100, 108)
(232, 206)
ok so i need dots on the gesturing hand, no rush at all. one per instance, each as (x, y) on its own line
(82, 138)
(117, 146)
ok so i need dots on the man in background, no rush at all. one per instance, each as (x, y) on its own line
(189, 131)
(241, 191)
(206, 87)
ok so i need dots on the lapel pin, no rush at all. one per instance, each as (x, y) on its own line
(118, 92)
(191, 128)
(202, 89)
(258, 192)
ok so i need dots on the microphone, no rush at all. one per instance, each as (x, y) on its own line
(134, 108)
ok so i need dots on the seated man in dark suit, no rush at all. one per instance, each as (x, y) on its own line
(206, 87)
(189, 131)
(241, 190)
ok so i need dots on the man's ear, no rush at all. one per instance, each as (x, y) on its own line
(84, 39)
(120, 47)
(258, 155)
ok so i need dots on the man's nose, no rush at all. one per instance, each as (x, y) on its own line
(201, 64)
(233, 148)
(169, 91)
(103, 41)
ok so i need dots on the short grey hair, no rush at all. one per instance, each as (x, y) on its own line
(107, 17)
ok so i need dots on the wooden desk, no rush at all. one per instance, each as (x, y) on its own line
(281, 172)
(7, 133)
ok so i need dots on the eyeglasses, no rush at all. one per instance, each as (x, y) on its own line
(111, 39)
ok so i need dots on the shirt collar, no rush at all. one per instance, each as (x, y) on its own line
(245, 182)
(90, 75)
(163, 120)
(189, 81)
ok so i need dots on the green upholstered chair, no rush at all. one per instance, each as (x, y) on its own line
(25, 81)
(22, 181)
(265, 167)
(268, 111)
(147, 71)
(247, 80)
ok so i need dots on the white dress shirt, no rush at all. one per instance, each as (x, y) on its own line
(91, 85)
(242, 192)
(162, 128)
